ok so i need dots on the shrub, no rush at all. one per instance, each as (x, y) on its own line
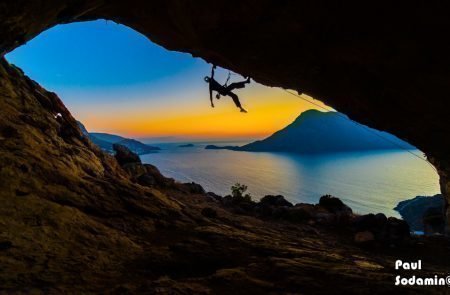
(238, 190)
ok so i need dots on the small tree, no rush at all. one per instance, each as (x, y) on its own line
(238, 190)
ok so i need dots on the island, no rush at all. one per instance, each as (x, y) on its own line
(188, 145)
(316, 132)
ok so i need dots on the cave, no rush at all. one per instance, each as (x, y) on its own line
(385, 65)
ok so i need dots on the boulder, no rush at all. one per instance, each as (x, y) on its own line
(372, 222)
(241, 204)
(273, 206)
(380, 220)
(334, 205)
(397, 229)
(160, 179)
(384, 229)
(146, 180)
(124, 155)
(433, 221)
(276, 201)
(214, 196)
(302, 211)
(147, 175)
(227, 200)
(246, 205)
(194, 188)
(305, 212)
(342, 213)
(365, 222)
(363, 237)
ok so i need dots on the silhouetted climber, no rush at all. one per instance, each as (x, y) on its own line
(225, 90)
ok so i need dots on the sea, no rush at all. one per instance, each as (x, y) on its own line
(368, 181)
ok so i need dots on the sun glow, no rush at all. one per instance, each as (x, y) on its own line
(269, 109)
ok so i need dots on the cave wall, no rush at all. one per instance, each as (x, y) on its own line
(73, 222)
(383, 64)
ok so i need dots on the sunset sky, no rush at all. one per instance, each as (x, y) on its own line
(115, 80)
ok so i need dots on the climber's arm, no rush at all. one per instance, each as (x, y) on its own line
(211, 97)
(212, 71)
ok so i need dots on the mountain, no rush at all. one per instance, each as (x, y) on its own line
(104, 145)
(111, 138)
(322, 132)
(138, 147)
(105, 141)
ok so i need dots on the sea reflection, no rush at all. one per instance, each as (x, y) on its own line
(367, 181)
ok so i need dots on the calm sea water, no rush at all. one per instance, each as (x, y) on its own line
(369, 182)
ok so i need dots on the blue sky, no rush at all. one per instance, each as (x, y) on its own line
(115, 80)
(100, 55)
(115, 54)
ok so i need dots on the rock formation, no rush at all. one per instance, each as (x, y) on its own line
(73, 220)
(423, 213)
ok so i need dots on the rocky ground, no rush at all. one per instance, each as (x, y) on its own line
(73, 220)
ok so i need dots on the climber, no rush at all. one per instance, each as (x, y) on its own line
(225, 90)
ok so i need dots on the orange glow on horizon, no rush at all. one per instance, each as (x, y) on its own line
(269, 110)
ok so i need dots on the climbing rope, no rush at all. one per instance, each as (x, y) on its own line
(228, 79)
(365, 128)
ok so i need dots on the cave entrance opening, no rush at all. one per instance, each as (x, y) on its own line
(122, 87)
